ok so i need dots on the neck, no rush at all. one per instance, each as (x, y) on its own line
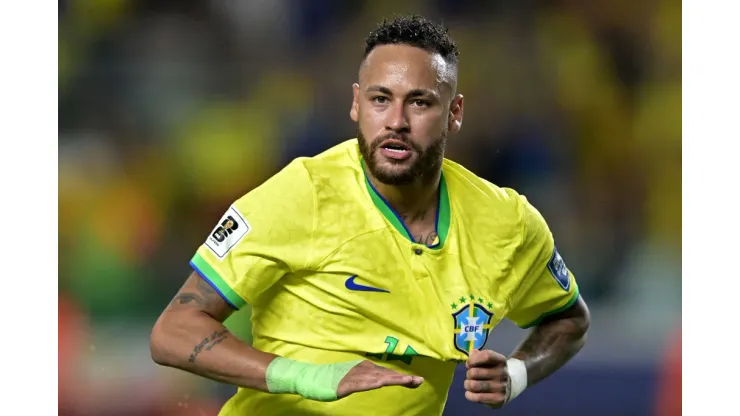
(409, 199)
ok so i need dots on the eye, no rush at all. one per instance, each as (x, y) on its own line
(420, 103)
(380, 99)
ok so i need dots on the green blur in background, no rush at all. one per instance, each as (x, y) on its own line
(171, 110)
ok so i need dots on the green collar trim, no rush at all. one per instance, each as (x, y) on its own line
(442, 225)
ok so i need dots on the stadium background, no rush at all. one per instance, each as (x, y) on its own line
(169, 110)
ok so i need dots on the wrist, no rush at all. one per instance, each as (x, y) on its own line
(517, 378)
(312, 381)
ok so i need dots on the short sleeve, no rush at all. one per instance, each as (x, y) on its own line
(263, 236)
(547, 286)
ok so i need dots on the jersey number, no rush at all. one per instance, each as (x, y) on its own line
(391, 344)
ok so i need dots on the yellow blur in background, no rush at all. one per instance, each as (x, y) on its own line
(171, 110)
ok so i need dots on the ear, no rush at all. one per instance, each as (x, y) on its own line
(354, 110)
(456, 114)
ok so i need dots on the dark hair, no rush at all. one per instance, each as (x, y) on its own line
(415, 31)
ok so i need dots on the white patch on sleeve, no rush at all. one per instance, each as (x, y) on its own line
(227, 234)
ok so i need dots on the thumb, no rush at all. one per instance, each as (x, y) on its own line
(472, 356)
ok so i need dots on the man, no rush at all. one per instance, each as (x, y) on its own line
(375, 267)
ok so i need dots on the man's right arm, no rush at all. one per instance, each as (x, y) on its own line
(190, 335)
(262, 237)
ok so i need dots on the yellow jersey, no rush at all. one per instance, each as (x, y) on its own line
(332, 275)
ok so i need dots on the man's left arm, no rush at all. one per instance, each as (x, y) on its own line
(553, 342)
(494, 380)
(547, 300)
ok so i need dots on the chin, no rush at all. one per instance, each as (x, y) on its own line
(393, 174)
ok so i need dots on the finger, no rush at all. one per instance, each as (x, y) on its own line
(484, 386)
(416, 382)
(412, 384)
(486, 358)
(472, 357)
(491, 399)
(374, 383)
(392, 378)
(491, 358)
(483, 373)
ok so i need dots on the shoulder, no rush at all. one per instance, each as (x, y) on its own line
(291, 187)
(338, 159)
(336, 175)
(299, 178)
(311, 194)
(478, 196)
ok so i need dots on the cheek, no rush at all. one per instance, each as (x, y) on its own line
(371, 119)
(430, 123)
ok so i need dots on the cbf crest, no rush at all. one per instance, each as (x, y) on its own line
(472, 323)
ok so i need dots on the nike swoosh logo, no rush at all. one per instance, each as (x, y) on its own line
(351, 285)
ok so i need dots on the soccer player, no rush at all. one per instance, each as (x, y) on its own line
(374, 268)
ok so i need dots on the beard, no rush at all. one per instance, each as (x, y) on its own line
(424, 166)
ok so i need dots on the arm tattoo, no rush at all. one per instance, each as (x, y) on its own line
(187, 298)
(201, 296)
(205, 288)
(550, 345)
(207, 343)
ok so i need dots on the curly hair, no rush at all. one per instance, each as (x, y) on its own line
(415, 31)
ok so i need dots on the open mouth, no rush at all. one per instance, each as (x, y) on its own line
(395, 149)
(395, 145)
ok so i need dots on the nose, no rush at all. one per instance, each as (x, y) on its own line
(397, 121)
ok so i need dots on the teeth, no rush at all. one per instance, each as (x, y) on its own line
(396, 150)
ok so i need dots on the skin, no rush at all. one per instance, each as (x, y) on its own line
(408, 94)
(189, 335)
(546, 349)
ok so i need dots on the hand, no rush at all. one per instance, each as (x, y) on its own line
(369, 376)
(487, 378)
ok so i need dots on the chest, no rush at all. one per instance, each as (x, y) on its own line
(411, 298)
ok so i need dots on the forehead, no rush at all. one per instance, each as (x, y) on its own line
(403, 66)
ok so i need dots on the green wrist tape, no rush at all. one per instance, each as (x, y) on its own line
(313, 381)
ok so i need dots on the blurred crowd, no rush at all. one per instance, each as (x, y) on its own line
(170, 110)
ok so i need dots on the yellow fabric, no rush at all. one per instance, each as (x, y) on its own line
(289, 247)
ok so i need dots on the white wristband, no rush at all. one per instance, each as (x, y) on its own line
(517, 378)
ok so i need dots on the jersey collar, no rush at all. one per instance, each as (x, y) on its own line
(443, 210)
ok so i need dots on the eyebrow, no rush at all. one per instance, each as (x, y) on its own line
(418, 92)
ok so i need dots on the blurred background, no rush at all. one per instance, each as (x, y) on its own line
(170, 110)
